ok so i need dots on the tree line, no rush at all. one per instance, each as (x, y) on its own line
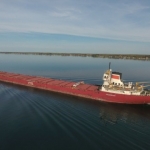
(112, 56)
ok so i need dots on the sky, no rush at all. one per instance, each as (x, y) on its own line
(75, 26)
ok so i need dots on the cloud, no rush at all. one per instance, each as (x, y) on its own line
(124, 20)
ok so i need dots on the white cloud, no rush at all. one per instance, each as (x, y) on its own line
(126, 20)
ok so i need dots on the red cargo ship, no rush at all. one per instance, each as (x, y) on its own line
(113, 89)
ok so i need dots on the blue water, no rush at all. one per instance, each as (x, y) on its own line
(32, 119)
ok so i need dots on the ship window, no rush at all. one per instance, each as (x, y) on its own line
(118, 83)
(115, 83)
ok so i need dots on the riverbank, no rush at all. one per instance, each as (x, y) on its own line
(112, 56)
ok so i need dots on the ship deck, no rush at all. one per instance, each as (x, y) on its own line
(79, 89)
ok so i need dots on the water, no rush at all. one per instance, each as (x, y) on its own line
(41, 120)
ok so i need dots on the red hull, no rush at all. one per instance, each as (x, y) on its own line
(66, 87)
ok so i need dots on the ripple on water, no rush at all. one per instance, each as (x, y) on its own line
(39, 119)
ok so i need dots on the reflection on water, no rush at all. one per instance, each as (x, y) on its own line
(114, 113)
(37, 120)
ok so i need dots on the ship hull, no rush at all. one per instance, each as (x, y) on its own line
(66, 87)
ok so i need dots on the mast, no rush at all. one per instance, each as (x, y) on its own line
(110, 72)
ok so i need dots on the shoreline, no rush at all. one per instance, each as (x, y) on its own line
(111, 56)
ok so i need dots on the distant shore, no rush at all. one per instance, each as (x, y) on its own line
(111, 56)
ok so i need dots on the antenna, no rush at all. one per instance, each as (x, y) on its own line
(109, 65)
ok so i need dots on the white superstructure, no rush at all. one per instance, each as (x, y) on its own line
(113, 83)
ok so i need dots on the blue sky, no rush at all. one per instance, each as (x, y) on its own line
(76, 26)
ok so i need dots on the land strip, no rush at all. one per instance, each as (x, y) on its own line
(112, 56)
